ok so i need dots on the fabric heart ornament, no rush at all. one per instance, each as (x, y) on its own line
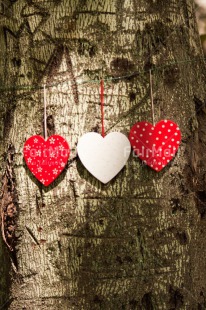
(155, 145)
(104, 157)
(46, 159)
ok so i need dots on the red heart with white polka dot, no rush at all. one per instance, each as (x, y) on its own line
(155, 145)
(46, 159)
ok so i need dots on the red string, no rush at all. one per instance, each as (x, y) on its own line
(102, 105)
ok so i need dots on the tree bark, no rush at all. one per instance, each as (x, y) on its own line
(137, 242)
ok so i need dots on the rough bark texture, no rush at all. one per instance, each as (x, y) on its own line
(138, 242)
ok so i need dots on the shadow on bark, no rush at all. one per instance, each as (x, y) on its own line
(5, 278)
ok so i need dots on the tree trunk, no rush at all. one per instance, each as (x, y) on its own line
(137, 242)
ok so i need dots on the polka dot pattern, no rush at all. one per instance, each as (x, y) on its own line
(155, 145)
(46, 159)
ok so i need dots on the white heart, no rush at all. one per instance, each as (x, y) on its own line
(104, 157)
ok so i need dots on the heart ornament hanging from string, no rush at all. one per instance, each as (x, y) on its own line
(156, 144)
(46, 158)
(103, 156)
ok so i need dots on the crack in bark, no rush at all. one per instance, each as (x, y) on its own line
(31, 234)
(9, 205)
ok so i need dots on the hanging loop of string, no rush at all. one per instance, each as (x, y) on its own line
(45, 114)
(102, 105)
(151, 97)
